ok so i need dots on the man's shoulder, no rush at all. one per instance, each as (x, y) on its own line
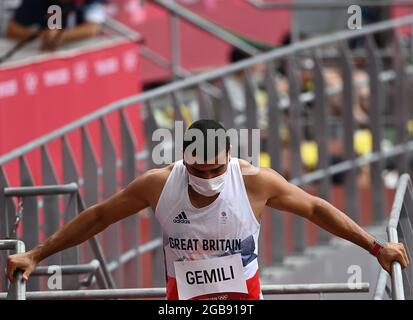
(248, 169)
(159, 174)
(153, 182)
(255, 177)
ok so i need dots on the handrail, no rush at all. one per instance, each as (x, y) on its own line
(327, 4)
(207, 76)
(17, 289)
(206, 25)
(40, 190)
(393, 231)
(393, 235)
(161, 292)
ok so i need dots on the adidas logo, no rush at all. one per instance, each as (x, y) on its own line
(181, 218)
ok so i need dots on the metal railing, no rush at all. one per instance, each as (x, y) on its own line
(327, 4)
(382, 286)
(105, 150)
(17, 289)
(158, 293)
(399, 229)
(70, 257)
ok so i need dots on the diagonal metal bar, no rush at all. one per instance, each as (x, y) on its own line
(30, 217)
(227, 110)
(90, 179)
(401, 101)
(7, 216)
(111, 236)
(70, 174)
(128, 150)
(150, 126)
(177, 105)
(90, 169)
(129, 226)
(108, 160)
(204, 107)
(51, 206)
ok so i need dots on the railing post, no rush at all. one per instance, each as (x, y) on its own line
(381, 285)
(90, 178)
(350, 182)
(90, 170)
(393, 236)
(397, 277)
(110, 237)
(17, 289)
(70, 174)
(30, 219)
(251, 110)
(130, 225)
(158, 270)
(204, 107)
(376, 106)
(226, 110)
(175, 43)
(177, 105)
(51, 210)
(7, 216)
(401, 102)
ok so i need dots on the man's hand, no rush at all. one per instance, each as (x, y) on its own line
(392, 252)
(51, 39)
(23, 261)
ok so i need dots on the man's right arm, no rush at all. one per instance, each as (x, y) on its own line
(88, 223)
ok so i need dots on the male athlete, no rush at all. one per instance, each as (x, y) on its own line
(210, 215)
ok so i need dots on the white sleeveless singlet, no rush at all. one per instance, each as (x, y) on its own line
(210, 252)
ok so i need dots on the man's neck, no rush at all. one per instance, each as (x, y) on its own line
(199, 200)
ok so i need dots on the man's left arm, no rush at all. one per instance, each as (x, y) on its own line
(285, 196)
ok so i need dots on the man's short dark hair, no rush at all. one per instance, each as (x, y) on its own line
(204, 126)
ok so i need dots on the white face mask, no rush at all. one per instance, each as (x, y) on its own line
(207, 187)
